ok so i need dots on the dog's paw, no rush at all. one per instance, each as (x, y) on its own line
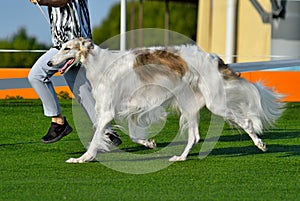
(262, 146)
(177, 158)
(75, 160)
(152, 144)
(83, 159)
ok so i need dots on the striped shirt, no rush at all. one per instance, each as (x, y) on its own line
(69, 22)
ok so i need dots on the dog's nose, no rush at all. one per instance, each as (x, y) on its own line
(49, 63)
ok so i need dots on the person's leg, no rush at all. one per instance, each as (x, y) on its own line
(82, 90)
(39, 77)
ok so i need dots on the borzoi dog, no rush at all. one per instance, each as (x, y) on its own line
(137, 84)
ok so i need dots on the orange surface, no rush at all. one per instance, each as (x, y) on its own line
(6, 73)
(283, 82)
(287, 83)
(29, 93)
(13, 72)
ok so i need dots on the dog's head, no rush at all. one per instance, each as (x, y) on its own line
(72, 52)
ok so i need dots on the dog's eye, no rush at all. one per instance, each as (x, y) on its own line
(67, 48)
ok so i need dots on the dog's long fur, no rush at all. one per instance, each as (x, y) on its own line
(136, 85)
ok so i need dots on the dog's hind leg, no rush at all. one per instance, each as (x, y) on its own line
(247, 125)
(193, 138)
(147, 143)
(138, 134)
(190, 114)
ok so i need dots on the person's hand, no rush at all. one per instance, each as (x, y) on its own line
(34, 1)
(52, 3)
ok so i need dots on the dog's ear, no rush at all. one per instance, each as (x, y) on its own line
(221, 62)
(225, 70)
(87, 43)
(217, 58)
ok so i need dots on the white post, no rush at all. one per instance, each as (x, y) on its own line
(230, 30)
(123, 26)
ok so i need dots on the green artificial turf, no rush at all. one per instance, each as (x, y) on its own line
(234, 170)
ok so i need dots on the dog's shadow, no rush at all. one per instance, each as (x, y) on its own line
(18, 143)
(232, 151)
(159, 146)
(276, 134)
(286, 150)
(140, 149)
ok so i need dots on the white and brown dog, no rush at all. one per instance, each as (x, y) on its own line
(137, 84)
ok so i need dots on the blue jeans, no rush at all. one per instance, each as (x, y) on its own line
(40, 79)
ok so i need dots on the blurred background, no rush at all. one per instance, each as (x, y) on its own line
(237, 30)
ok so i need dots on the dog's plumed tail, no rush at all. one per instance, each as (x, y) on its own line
(253, 102)
(271, 106)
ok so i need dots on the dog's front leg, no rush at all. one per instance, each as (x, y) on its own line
(90, 154)
(100, 141)
(86, 157)
(97, 144)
